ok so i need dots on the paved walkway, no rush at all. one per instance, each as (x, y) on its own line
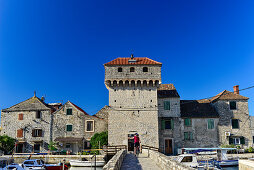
(131, 162)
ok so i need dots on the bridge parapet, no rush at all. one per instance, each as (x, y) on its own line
(163, 161)
(115, 162)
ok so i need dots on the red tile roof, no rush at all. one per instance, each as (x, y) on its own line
(134, 61)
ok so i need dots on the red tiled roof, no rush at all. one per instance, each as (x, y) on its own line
(79, 109)
(138, 61)
(166, 87)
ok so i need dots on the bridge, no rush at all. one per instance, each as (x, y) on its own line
(149, 159)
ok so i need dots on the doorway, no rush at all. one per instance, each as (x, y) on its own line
(130, 142)
(19, 148)
(168, 146)
(37, 148)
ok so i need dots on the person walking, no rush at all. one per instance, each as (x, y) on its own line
(136, 144)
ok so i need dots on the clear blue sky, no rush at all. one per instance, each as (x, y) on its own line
(58, 47)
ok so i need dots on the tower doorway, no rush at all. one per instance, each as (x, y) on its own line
(130, 142)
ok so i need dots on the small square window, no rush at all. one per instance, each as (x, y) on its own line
(89, 126)
(120, 69)
(69, 111)
(69, 128)
(210, 123)
(232, 105)
(235, 124)
(68, 145)
(169, 124)
(132, 69)
(38, 114)
(21, 116)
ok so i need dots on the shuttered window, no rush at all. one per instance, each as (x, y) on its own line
(235, 124)
(68, 128)
(37, 133)
(38, 114)
(20, 133)
(167, 124)
(69, 111)
(188, 136)
(187, 122)
(242, 140)
(166, 105)
(21, 116)
(210, 123)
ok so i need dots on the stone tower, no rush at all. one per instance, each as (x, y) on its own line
(132, 84)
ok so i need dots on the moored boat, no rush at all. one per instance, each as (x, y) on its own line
(40, 165)
(87, 163)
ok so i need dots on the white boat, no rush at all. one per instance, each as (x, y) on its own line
(14, 166)
(86, 163)
(188, 160)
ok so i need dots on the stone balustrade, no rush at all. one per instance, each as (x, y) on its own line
(116, 161)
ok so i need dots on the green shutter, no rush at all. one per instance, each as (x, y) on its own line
(166, 105)
(231, 140)
(172, 124)
(69, 127)
(191, 135)
(242, 140)
(187, 122)
(210, 124)
(232, 105)
(69, 111)
(162, 124)
(186, 136)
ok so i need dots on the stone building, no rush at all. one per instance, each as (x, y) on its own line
(132, 84)
(29, 122)
(140, 103)
(73, 127)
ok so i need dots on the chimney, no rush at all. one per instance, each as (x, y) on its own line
(43, 98)
(236, 89)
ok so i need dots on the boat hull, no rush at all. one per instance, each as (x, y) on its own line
(86, 163)
(228, 163)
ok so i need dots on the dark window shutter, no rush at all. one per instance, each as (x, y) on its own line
(20, 133)
(33, 133)
(242, 140)
(231, 140)
(235, 124)
(162, 124)
(69, 111)
(172, 124)
(20, 116)
(40, 132)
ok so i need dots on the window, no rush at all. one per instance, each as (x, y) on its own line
(37, 133)
(89, 125)
(188, 136)
(120, 69)
(21, 116)
(38, 114)
(232, 105)
(237, 140)
(210, 123)
(68, 145)
(68, 128)
(69, 111)
(20, 133)
(187, 159)
(187, 122)
(253, 139)
(167, 124)
(145, 69)
(132, 69)
(166, 105)
(235, 124)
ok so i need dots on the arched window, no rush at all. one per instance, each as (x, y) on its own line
(145, 69)
(132, 69)
(120, 69)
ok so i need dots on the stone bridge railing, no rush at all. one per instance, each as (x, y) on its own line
(115, 162)
(165, 162)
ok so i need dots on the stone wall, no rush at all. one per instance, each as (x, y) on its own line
(226, 115)
(202, 136)
(111, 72)
(174, 107)
(165, 162)
(116, 161)
(10, 125)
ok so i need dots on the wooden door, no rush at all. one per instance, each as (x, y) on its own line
(168, 147)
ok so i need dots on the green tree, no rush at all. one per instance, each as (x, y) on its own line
(52, 146)
(99, 139)
(7, 144)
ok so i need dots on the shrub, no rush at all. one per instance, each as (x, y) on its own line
(99, 139)
(7, 144)
(250, 150)
(52, 146)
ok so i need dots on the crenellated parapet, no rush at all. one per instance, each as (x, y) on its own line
(132, 83)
